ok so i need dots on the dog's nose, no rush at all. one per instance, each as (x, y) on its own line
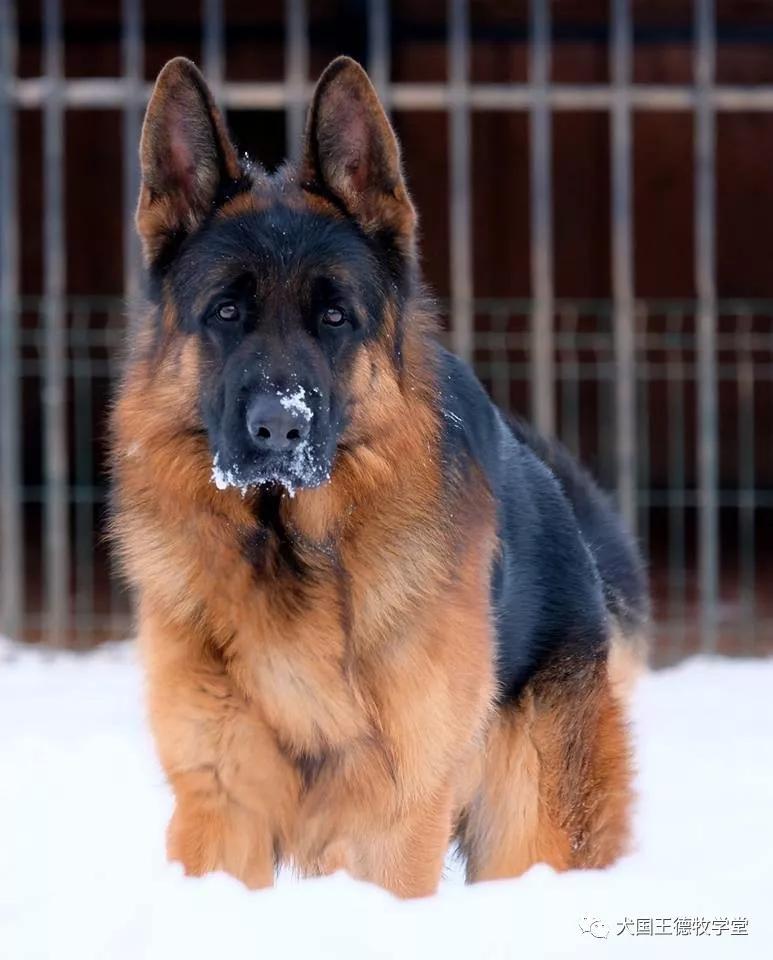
(276, 427)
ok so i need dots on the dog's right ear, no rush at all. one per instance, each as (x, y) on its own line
(186, 157)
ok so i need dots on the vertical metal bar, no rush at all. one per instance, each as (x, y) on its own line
(622, 263)
(542, 333)
(500, 354)
(647, 371)
(213, 45)
(83, 382)
(746, 470)
(132, 118)
(605, 467)
(461, 280)
(605, 375)
(111, 622)
(133, 76)
(675, 375)
(57, 549)
(11, 519)
(704, 159)
(296, 72)
(378, 47)
(569, 378)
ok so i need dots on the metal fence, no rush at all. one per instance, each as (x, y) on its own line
(547, 356)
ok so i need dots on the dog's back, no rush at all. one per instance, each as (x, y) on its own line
(614, 551)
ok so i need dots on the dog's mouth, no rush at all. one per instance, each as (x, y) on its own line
(299, 469)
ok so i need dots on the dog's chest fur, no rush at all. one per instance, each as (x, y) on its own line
(339, 644)
(315, 632)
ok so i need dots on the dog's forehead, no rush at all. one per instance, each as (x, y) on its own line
(282, 242)
(277, 234)
(284, 187)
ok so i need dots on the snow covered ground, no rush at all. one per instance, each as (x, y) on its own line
(83, 808)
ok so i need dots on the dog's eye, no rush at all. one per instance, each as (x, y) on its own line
(228, 311)
(333, 316)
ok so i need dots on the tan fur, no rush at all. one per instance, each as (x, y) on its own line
(627, 661)
(554, 780)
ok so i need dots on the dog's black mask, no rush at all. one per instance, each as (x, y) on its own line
(280, 299)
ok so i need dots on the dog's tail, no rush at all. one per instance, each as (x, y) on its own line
(617, 556)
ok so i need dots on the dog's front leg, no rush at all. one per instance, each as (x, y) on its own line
(235, 793)
(210, 831)
(407, 857)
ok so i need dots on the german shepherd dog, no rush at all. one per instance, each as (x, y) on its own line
(376, 617)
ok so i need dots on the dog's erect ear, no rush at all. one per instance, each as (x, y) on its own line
(351, 152)
(186, 158)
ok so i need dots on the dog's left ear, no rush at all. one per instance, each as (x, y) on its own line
(351, 153)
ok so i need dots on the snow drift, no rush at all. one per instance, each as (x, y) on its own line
(83, 808)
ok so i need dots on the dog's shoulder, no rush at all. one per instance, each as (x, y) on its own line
(546, 593)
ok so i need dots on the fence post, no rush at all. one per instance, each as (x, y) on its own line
(543, 308)
(622, 264)
(57, 535)
(378, 47)
(296, 72)
(705, 261)
(11, 517)
(132, 121)
(460, 180)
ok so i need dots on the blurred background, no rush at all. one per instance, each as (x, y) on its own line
(594, 184)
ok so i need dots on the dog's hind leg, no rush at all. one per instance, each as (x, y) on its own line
(555, 783)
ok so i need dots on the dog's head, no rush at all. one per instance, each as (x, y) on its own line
(278, 298)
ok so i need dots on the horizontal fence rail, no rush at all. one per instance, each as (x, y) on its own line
(110, 93)
(627, 360)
